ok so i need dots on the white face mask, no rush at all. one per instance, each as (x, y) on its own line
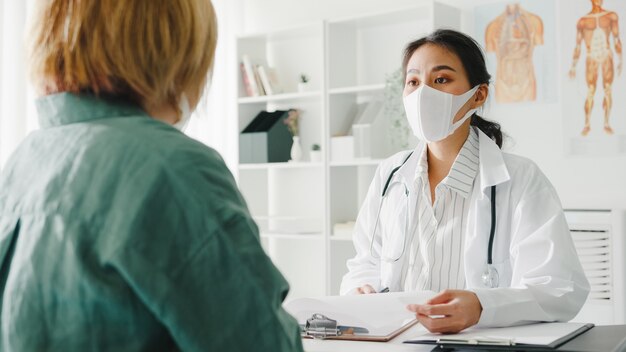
(185, 113)
(430, 112)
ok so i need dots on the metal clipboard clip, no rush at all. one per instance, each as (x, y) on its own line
(320, 326)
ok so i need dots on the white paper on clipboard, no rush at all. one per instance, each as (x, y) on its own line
(380, 313)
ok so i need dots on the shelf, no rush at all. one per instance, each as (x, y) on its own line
(279, 97)
(305, 164)
(285, 165)
(286, 33)
(364, 162)
(340, 239)
(292, 236)
(357, 89)
(349, 60)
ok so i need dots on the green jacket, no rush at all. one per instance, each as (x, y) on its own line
(119, 233)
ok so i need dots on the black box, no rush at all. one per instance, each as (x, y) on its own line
(266, 139)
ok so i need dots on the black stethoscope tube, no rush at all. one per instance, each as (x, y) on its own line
(393, 172)
(492, 232)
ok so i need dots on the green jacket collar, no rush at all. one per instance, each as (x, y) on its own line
(66, 108)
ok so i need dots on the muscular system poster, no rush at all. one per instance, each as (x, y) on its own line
(593, 83)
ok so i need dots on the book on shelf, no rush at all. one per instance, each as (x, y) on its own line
(249, 77)
(265, 80)
(277, 88)
(257, 77)
(246, 81)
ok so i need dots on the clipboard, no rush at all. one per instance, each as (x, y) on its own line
(373, 317)
(321, 327)
(507, 339)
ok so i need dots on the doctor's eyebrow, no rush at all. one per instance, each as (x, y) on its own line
(435, 69)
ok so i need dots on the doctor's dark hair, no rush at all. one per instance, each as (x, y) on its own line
(473, 60)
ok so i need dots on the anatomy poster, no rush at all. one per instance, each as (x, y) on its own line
(593, 82)
(520, 42)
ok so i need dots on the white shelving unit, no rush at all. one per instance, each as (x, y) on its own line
(357, 89)
(279, 97)
(297, 204)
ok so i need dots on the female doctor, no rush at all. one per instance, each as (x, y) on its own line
(458, 216)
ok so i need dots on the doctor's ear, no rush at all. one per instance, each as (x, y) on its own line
(481, 95)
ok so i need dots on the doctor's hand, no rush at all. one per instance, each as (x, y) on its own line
(449, 312)
(365, 289)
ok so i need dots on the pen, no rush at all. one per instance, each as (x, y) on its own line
(384, 290)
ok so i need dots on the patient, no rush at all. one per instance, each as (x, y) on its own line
(118, 232)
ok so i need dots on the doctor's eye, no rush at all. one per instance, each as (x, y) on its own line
(441, 80)
(412, 83)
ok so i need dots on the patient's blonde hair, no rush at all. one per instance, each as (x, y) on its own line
(148, 51)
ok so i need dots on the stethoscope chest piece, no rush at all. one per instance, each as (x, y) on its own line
(490, 277)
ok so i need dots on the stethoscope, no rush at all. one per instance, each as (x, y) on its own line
(490, 276)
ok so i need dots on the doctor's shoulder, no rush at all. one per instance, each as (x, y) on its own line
(526, 177)
(395, 160)
(387, 166)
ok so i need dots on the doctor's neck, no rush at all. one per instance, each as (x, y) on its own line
(441, 154)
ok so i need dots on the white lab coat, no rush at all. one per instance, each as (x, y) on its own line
(541, 278)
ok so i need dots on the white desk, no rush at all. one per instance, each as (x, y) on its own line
(394, 345)
(599, 338)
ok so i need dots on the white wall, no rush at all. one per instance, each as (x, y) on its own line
(535, 130)
(210, 121)
(13, 106)
(260, 15)
(582, 182)
(1, 47)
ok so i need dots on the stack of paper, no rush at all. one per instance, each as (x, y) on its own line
(541, 334)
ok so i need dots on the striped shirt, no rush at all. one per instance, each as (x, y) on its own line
(436, 252)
